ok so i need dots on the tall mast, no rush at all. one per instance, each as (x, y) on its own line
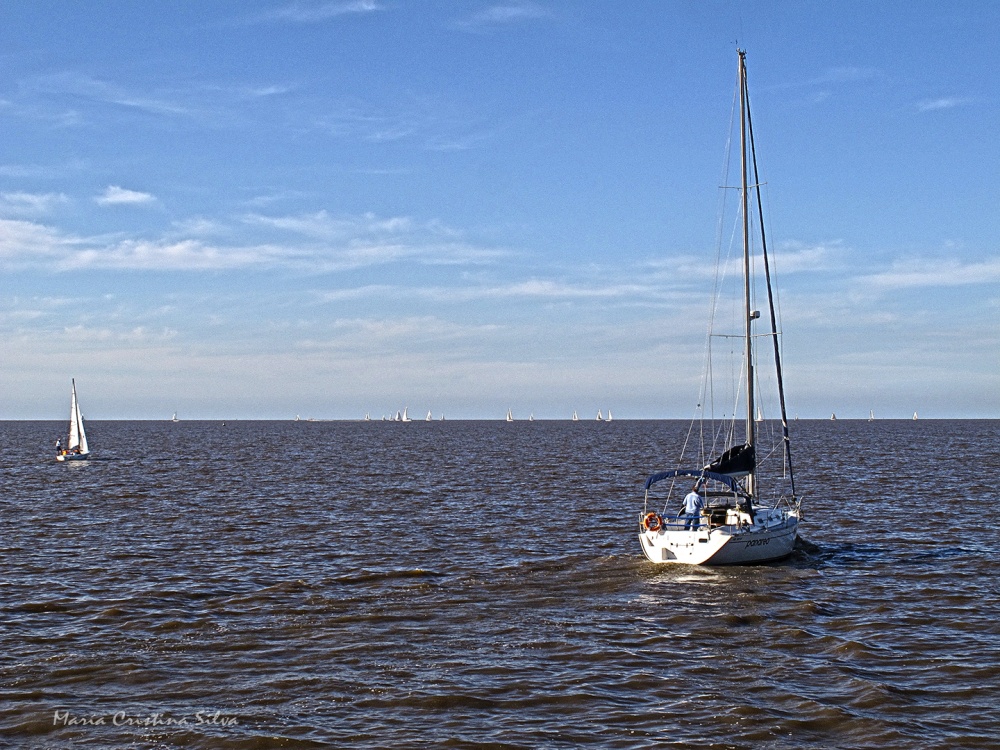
(747, 301)
(786, 439)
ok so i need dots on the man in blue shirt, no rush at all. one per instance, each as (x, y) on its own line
(692, 507)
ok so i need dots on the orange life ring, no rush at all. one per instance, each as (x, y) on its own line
(652, 521)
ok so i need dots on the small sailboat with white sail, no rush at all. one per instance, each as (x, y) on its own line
(76, 448)
(575, 417)
(510, 416)
(740, 507)
(609, 418)
(428, 417)
(600, 417)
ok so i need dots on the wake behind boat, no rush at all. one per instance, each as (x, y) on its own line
(76, 448)
(739, 508)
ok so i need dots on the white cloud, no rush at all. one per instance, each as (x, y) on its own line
(116, 196)
(935, 273)
(945, 102)
(303, 12)
(30, 204)
(504, 14)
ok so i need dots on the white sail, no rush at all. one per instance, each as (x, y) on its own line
(405, 417)
(609, 416)
(428, 417)
(510, 416)
(76, 447)
(575, 417)
(600, 417)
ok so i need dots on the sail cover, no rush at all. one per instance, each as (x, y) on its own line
(739, 460)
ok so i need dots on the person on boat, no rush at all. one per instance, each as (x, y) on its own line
(692, 507)
(58, 446)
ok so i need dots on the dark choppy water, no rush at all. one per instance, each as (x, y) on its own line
(470, 584)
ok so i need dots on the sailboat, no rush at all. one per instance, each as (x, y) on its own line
(174, 418)
(746, 510)
(575, 417)
(600, 417)
(510, 416)
(405, 418)
(428, 417)
(609, 416)
(531, 417)
(914, 416)
(871, 415)
(76, 448)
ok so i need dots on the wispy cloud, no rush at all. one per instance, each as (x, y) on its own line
(117, 196)
(30, 204)
(945, 102)
(303, 12)
(935, 273)
(318, 244)
(503, 14)
(88, 88)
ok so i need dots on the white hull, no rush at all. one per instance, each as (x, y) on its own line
(771, 538)
(72, 457)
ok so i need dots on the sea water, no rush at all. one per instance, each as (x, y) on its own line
(480, 584)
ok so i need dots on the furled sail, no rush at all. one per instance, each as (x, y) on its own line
(738, 461)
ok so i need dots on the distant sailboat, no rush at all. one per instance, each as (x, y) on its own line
(368, 416)
(510, 416)
(760, 416)
(428, 417)
(404, 417)
(531, 417)
(174, 418)
(76, 444)
(575, 418)
(600, 417)
(833, 417)
(871, 416)
(609, 416)
(398, 417)
(914, 416)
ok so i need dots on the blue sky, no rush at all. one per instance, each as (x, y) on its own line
(261, 208)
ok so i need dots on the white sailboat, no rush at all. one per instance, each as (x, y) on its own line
(600, 417)
(609, 416)
(428, 417)
(76, 448)
(871, 415)
(405, 418)
(531, 417)
(510, 416)
(914, 416)
(746, 510)
(575, 417)
(174, 418)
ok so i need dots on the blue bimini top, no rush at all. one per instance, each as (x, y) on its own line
(699, 473)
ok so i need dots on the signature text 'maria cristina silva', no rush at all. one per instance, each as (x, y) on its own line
(125, 719)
